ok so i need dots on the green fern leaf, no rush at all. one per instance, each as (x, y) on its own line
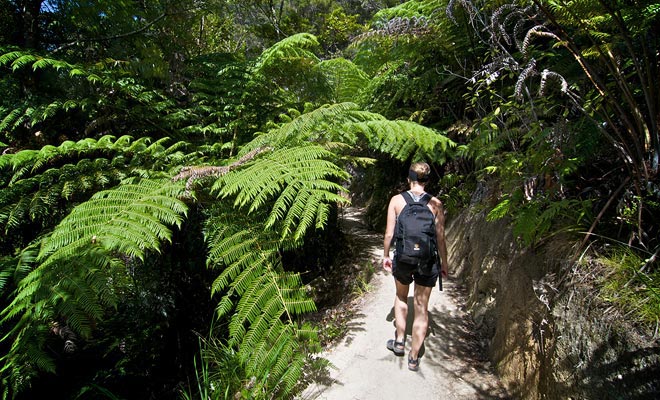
(346, 123)
(324, 124)
(299, 178)
(405, 140)
(130, 219)
(295, 46)
(7, 266)
(22, 61)
(525, 226)
(13, 118)
(9, 57)
(346, 78)
(500, 211)
(70, 277)
(261, 325)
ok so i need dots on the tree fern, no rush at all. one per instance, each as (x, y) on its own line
(43, 183)
(116, 203)
(40, 297)
(263, 299)
(289, 70)
(130, 219)
(345, 78)
(299, 178)
(298, 185)
(411, 9)
(322, 125)
(13, 118)
(298, 46)
(219, 97)
(101, 93)
(347, 123)
(404, 139)
(73, 273)
(284, 191)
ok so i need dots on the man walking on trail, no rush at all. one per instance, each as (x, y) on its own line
(409, 263)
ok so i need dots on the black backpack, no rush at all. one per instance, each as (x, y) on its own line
(414, 235)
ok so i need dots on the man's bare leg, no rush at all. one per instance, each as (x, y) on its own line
(421, 321)
(400, 310)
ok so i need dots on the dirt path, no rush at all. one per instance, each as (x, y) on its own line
(450, 367)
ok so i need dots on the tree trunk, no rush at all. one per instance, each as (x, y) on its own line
(28, 21)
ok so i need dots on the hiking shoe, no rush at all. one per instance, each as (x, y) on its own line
(398, 348)
(413, 364)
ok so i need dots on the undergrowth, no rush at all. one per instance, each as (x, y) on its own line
(340, 288)
(632, 283)
(219, 374)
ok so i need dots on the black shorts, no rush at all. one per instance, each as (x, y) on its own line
(407, 273)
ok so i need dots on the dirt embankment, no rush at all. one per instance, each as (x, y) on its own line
(546, 331)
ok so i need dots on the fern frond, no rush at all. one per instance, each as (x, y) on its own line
(500, 211)
(270, 344)
(292, 374)
(239, 251)
(12, 119)
(70, 278)
(267, 352)
(536, 31)
(346, 78)
(257, 307)
(7, 266)
(265, 298)
(319, 125)
(405, 140)
(130, 219)
(410, 9)
(44, 183)
(299, 178)
(40, 197)
(9, 57)
(345, 123)
(310, 207)
(74, 293)
(296, 46)
(27, 162)
(23, 60)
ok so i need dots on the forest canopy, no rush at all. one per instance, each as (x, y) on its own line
(167, 166)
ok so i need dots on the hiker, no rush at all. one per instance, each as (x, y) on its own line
(425, 274)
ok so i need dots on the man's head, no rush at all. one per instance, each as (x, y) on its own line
(419, 172)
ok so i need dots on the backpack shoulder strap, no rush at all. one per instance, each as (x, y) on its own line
(424, 200)
(407, 197)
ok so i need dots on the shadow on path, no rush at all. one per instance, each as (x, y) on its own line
(452, 365)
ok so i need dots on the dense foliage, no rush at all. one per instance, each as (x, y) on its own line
(162, 160)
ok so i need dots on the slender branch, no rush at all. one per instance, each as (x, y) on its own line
(603, 91)
(197, 172)
(648, 93)
(106, 38)
(611, 64)
(602, 211)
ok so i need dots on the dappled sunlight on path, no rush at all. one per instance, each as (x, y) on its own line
(450, 365)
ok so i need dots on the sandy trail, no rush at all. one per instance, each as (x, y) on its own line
(451, 366)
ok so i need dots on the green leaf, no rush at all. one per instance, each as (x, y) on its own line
(131, 219)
